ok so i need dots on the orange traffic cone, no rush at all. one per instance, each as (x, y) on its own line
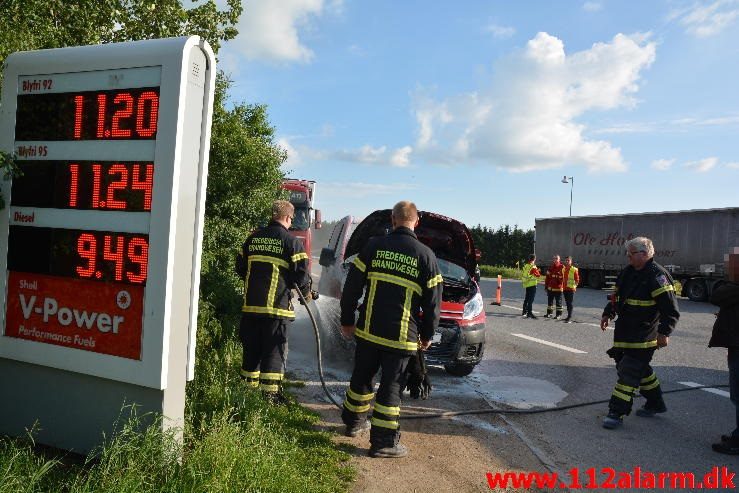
(498, 291)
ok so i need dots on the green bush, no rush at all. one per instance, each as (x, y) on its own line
(496, 270)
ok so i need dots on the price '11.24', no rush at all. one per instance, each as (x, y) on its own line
(112, 185)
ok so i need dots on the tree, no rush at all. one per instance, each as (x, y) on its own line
(243, 179)
(39, 24)
(504, 246)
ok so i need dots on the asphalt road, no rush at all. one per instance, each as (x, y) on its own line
(555, 364)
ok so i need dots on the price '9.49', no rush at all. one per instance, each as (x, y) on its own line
(111, 257)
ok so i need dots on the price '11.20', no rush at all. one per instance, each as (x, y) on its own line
(121, 115)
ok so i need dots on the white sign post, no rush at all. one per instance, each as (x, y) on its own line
(100, 242)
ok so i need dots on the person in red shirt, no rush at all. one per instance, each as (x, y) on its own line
(571, 276)
(554, 284)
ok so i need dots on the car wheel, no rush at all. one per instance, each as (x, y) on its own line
(458, 369)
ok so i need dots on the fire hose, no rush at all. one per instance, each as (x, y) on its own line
(449, 414)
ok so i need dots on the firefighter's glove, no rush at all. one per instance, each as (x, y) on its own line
(616, 354)
(426, 387)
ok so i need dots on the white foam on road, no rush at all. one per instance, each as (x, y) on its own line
(551, 344)
(517, 392)
(710, 390)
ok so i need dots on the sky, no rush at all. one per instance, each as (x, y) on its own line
(478, 109)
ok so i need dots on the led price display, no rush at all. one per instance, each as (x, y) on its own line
(94, 255)
(130, 114)
(104, 185)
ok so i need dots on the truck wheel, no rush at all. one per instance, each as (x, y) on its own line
(595, 279)
(459, 369)
(696, 290)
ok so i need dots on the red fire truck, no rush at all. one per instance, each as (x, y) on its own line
(303, 196)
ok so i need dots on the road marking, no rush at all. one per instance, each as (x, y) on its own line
(710, 390)
(552, 344)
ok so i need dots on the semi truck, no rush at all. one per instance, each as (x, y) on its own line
(302, 197)
(693, 245)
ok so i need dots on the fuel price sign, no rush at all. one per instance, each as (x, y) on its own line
(100, 244)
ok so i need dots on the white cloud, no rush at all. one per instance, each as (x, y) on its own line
(501, 32)
(361, 190)
(676, 125)
(294, 159)
(662, 164)
(382, 155)
(592, 6)
(526, 118)
(373, 155)
(707, 19)
(269, 30)
(401, 157)
(732, 165)
(702, 165)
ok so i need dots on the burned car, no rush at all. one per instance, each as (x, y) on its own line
(459, 342)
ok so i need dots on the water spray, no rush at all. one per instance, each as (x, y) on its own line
(450, 414)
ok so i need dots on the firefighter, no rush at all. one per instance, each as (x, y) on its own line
(646, 306)
(529, 278)
(271, 262)
(399, 277)
(571, 276)
(554, 284)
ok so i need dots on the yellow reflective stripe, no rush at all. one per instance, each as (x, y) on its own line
(356, 409)
(252, 383)
(393, 425)
(405, 318)
(299, 256)
(635, 302)
(271, 376)
(407, 346)
(273, 286)
(269, 260)
(400, 281)
(370, 305)
(437, 279)
(359, 397)
(249, 374)
(636, 345)
(650, 386)
(359, 264)
(246, 279)
(618, 394)
(661, 290)
(268, 310)
(269, 387)
(649, 378)
(625, 388)
(390, 411)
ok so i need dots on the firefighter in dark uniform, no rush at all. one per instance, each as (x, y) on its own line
(271, 263)
(400, 278)
(647, 310)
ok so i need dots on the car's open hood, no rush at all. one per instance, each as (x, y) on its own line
(447, 237)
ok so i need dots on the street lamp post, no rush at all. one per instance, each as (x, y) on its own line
(572, 186)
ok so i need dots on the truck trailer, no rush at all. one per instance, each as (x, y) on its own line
(693, 245)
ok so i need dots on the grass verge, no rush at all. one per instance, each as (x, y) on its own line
(234, 442)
